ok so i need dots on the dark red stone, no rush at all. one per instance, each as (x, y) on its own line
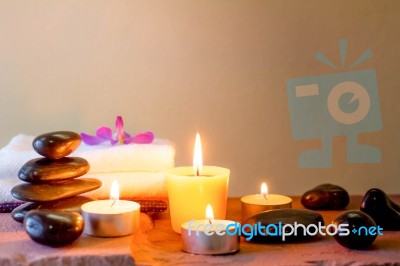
(326, 197)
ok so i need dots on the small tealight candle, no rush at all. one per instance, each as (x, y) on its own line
(111, 218)
(209, 237)
(254, 204)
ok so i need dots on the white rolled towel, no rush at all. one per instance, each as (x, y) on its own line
(105, 158)
(143, 185)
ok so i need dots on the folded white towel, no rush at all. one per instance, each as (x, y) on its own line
(104, 158)
(138, 168)
(155, 157)
(131, 185)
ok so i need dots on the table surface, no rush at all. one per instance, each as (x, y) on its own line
(157, 244)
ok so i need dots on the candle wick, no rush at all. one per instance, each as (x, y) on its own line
(197, 171)
(209, 220)
(265, 196)
(113, 203)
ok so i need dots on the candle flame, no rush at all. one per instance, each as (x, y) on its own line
(264, 190)
(197, 156)
(209, 213)
(114, 193)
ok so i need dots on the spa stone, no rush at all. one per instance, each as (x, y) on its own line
(54, 191)
(285, 216)
(72, 204)
(382, 209)
(326, 197)
(357, 238)
(53, 228)
(56, 145)
(42, 170)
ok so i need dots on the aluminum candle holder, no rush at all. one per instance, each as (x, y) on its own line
(110, 218)
(254, 204)
(198, 242)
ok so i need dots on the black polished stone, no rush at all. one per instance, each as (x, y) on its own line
(72, 204)
(53, 228)
(382, 209)
(56, 145)
(42, 170)
(278, 218)
(356, 238)
(54, 191)
(326, 197)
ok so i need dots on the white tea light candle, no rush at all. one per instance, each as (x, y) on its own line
(208, 236)
(254, 204)
(111, 218)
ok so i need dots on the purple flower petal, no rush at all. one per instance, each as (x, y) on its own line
(91, 140)
(119, 124)
(104, 133)
(142, 138)
(120, 136)
(128, 140)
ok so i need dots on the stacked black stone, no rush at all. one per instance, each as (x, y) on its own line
(52, 188)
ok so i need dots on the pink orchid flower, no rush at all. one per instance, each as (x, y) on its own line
(120, 136)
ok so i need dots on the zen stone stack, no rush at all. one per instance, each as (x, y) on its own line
(52, 185)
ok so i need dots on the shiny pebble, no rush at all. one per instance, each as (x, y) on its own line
(382, 209)
(53, 228)
(42, 170)
(326, 197)
(56, 145)
(356, 238)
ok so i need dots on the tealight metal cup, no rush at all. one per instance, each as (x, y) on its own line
(110, 224)
(250, 209)
(200, 243)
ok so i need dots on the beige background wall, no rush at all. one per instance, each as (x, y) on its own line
(217, 67)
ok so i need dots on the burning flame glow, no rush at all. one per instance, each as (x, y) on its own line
(197, 156)
(209, 212)
(264, 190)
(114, 193)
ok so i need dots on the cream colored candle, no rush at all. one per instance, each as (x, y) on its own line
(254, 204)
(189, 193)
(111, 218)
(209, 236)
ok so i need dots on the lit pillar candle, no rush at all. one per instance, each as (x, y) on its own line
(209, 236)
(111, 218)
(254, 204)
(190, 189)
